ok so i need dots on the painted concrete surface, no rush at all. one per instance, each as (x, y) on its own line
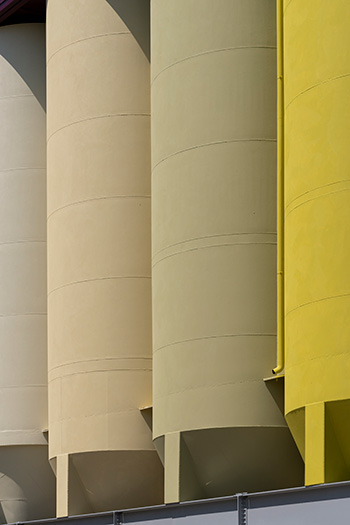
(27, 484)
(317, 229)
(213, 75)
(99, 245)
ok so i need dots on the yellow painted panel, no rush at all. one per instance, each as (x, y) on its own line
(317, 218)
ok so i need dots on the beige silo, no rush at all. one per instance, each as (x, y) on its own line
(218, 426)
(99, 271)
(27, 483)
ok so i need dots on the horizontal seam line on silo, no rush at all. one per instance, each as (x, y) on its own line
(107, 115)
(13, 499)
(210, 144)
(97, 371)
(21, 242)
(316, 358)
(210, 52)
(213, 337)
(224, 427)
(23, 314)
(21, 431)
(198, 248)
(118, 358)
(105, 413)
(316, 189)
(98, 199)
(212, 237)
(210, 387)
(330, 297)
(314, 198)
(17, 96)
(323, 82)
(99, 279)
(24, 386)
(84, 40)
(21, 169)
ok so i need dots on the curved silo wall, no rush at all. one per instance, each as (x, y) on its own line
(27, 489)
(317, 223)
(100, 362)
(214, 249)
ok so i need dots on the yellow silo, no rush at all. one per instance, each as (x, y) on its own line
(317, 231)
(99, 271)
(216, 423)
(27, 483)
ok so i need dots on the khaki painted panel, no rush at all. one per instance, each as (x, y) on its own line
(195, 121)
(193, 170)
(213, 30)
(214, 238)
(239, 301)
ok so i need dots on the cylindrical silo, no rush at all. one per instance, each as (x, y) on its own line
(216, 422)
(317, 231)
(27, 483)
(99, 271)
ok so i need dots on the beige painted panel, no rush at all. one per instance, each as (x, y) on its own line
(99, 248)
(82, 152)
(27, 488)
(15, 186)
(102, 12)
(23, 269)
(214, 236)
(85, 64)
(116, 250)
(23, 376)
(100, 316)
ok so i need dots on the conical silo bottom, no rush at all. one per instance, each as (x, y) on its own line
(224, 461)
(27, 484)
(322, 433)
(109, 480)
